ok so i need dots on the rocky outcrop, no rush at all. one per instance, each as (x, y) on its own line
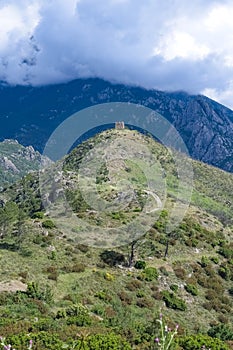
(7, 164)
(17, 161)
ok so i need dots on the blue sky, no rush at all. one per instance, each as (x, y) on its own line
(166, 45)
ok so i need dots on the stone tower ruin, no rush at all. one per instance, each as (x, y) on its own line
(119, 125)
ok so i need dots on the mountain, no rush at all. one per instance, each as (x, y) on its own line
(31, 114)
(17, 160)
(56, 289)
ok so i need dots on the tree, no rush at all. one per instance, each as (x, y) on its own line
(112, 258)
(8, 216)
(132, 253)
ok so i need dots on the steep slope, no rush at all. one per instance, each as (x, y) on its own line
(17, 160)
(31, 114)
(75, 288)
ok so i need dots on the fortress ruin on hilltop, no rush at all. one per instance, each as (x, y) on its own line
(119, 125)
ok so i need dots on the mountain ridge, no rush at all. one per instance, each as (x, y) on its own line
(30, 114)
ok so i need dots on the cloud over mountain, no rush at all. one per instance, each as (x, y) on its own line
(172, 45)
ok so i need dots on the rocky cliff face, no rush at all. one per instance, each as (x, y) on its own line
(206, 127)
(17, 161)
(31, 114)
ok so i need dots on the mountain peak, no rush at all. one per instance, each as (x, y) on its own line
(31, 114)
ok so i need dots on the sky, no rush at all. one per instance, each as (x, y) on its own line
(166, 45)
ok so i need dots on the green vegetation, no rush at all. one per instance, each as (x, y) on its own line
(48, 224)
(221, 331)
(191, 289)
(197, 342)
(140, 264)
(58, 291)
(173, 302)
(150, 274)
(16, 161)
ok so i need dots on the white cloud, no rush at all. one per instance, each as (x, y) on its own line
(181, 45)
(15, 23)
(170, 45)
(223, 96)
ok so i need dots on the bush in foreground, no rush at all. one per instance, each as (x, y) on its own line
(199, 341)
(44, 340)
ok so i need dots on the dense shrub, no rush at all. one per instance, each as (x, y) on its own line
(210, 271)
(179, 272)
(106, 342)
(211, 294)
(144, 302)
(157, 295)
(75, 315)
(216, 284)
(221, 331)
(164, 271)
(78, 267)
(53, 276)
(207, 306)
(204, 261)
(41, 341)
(223, 319)
(48, 224)
(133, 285)
(150, 274)
(173, 302)
(80, 320)
(140, 264)
(125, 297)
(197, 342)
(215, 259)
(174, 287)
(49, 341)
(226, 251)
(140, 294)
(109, 277)
(112, 258)
(103, 295)
(38, 215)
(190, 288)
(83, 248)
(25, 252)
(35, 292)
(224, 272)
(202, 281)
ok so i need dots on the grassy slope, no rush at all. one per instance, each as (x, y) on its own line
(124, 300)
